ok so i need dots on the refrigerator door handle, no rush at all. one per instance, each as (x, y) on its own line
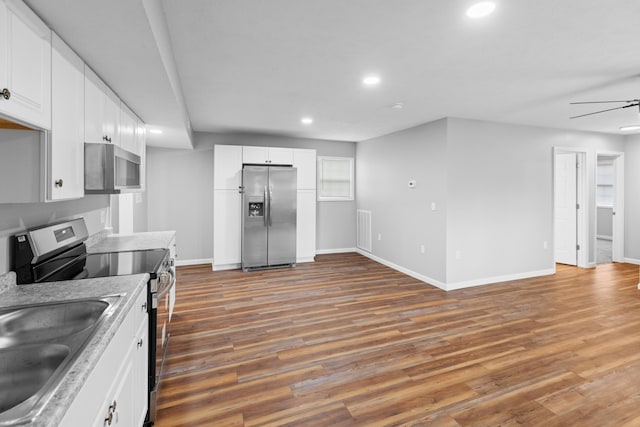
(270, 196)
(266, 212)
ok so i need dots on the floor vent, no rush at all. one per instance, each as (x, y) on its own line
(364, 230)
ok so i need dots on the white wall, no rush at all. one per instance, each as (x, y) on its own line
(500, 188)
(180, 192)
(632, 199)
(180, 197)
(498, 191)
(402, 215)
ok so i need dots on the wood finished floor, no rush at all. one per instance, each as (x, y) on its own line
(345, 341)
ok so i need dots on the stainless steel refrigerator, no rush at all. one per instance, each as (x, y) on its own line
(269, 203)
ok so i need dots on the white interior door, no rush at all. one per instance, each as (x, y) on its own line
(565, 208)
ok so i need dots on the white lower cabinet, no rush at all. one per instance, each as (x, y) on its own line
(227, 229)
(306, 226)
(115, 393)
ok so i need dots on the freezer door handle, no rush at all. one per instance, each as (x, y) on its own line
(270, 196)
(266, 201)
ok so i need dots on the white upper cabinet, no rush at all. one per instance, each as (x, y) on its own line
(25, 65)
(227, 167)
(267, 155)
(128, 128)
(304, 161)
(111, 116)
(65, 147)
(102, 110)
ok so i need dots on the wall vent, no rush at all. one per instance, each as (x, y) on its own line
(363, 236)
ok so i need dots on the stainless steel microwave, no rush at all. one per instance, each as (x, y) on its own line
(109, 169)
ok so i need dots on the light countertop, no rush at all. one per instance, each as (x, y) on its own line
(128, 287)
(133, 242)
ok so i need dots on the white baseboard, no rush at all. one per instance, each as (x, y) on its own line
(222, 267)
(601, 237)
(498, 279)
(335, 251)
(305, 259)
(459, 285)
(632, 261)
(184, 262)
(423, 278)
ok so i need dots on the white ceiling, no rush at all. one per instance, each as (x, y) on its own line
(259, 66)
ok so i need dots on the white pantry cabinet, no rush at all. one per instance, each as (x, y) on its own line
(65, 145)
(102, 111)
(306, 226)
(305, 161)
(227, 229)
(227, 209)
(25, 65)
(117, 388)
(267, 155)
(227, 167)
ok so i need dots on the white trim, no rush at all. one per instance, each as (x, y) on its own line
(423, 278)
(221, 267)
(335, 251)
(459, 285)
(498, 279)
(632, 261)
(305, 259)
(590, 265)
(184, 262)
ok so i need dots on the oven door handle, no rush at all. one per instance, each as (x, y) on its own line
(172, 281)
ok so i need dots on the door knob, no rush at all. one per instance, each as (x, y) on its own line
(5, 93)
(59, 183)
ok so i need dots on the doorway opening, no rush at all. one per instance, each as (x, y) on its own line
(571, 244)
(609, 236)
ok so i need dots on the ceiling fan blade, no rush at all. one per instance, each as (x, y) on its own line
(602, 102)
(602, 111)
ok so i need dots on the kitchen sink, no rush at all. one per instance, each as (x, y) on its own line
(25, 369)
(38, 345)
(49, 321)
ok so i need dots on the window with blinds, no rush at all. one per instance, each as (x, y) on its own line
(335, 178)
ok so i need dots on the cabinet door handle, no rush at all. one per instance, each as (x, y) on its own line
(59, 183)
(109, 419)
(5, 93)
(140, 342)
(144, 306)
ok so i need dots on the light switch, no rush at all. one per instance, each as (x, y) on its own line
(433, 206)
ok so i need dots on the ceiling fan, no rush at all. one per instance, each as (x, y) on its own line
(630, 103)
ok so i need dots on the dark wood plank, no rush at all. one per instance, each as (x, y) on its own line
(346, 341)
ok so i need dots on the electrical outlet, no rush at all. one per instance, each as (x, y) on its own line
(421, 249)
(379, 236)
(433, 206)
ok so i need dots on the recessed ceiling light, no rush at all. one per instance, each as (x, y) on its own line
(371, 80)
(629, 128)
(480, 10)
(306, 120)
(156, 131)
